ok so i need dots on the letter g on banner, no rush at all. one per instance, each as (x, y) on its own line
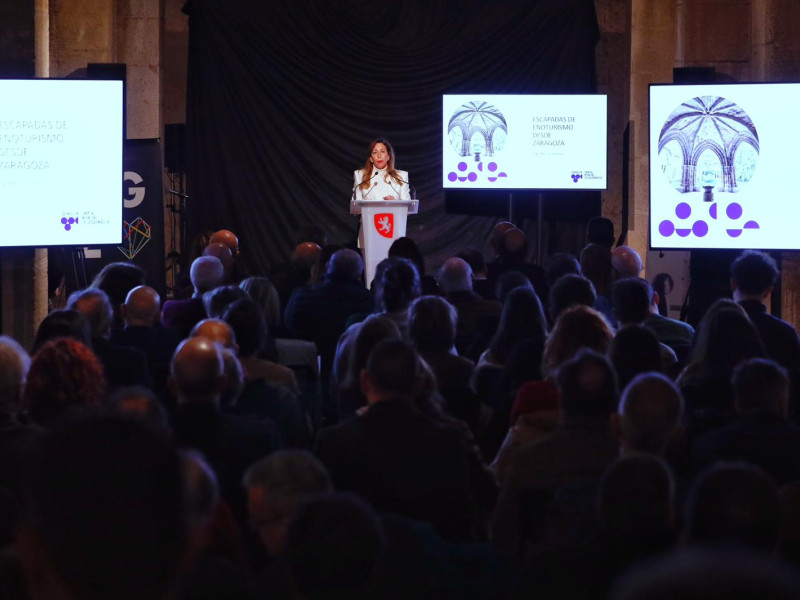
(136, 192)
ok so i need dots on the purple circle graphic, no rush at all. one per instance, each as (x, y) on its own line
(462, 166)
(493, 167)
(734, 233)
(700, 228)
(472, 177)
(67, 227)
(71, 220)
(734, 210)
(452, 176)
(666, 228)
(480, 167)
(683, 210)
(751, 225)
(63, 220)
(712, 212)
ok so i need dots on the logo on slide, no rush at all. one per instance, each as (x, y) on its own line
(384, 224)
(708, 149)
(135, 236)
(68, 223)
(576, 177)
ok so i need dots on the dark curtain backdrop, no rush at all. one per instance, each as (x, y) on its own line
(284, 96)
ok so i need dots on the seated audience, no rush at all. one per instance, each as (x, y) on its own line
(626, 262)
(206, 274)
(264, 294)
(596, 267)
(512, 253)
(568, 291)
(634, 350)
(480, 274)
(105, 514)
(141, 403)
(63, 323)
(405, 247)
(509, 281)
(761, 434)
(116, 280)
(426, 480)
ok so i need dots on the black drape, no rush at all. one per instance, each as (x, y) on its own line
(284, 96)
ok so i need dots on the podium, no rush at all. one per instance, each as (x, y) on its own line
(382, 222)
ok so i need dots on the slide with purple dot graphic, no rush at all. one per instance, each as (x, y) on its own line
(719, 158)
(524, 142)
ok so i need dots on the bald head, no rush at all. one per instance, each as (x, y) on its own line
(217, 331)
(346, 263)
(455, 275)
(222, 252)
(514, 242)
(206, 273)
(626, 261)
(498, 231)
(197, 372)
(305, 255)
(93, 303)
(226, 238)
(141, 307)
(650, 412)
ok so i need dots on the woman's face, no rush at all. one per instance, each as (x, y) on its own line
(380, 155)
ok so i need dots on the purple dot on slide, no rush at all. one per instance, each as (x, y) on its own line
(63, 220)
(666, 228)
(71, 220)
(734, 210)
(734, 233)
(472, 177)
(751, 225)
(480, 166)
(493, 166)
(502, 175)
(452, 176)
(462, 166)
(67, 227)
(700, 228)
(712, 212)
(683, 210)
(683, 232)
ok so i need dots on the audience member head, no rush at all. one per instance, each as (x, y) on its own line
(249, 327)
(596, 267)
(234, 378)
(217, 331)
(346, 264)
(105, 513)
(496, 237)
(226, 238)
(587, 386)
(649, 414)
(206, 273)
(94, 304)
(394, 370)
(224, 254)
(561, 264)
(568, 291)
(634, 349)
(632, 298)
(626, 262)
(600, 230)
(576, 328)
(455, 275)
(373, 330)
(761, 385)
(474, 258)
(734, 503)
(514, 246)
(140, 402)
(320, 267)
(14, 366)
(63, 323)
(264, 293)
(334, 545)
(197, 373)
(637, 496)
(304, 256)
(510, 280)
(753, 274)
(396, 284)
(725, 337)
(405, 247)
(218, 300)
(65, 377)
(432, 324)
(142, 307)
(732, 573)
(116, 280)
(276, 486)
(522, 318)
(199, 243)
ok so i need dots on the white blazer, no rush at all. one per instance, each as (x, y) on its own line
(381, 186)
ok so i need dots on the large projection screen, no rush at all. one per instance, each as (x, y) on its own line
(524, 141)
(722, 159)
(60, 162)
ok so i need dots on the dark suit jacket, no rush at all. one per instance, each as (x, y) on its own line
(122, 365)
(183, 314)
(403, 462)
(157, 344)
(477, 322)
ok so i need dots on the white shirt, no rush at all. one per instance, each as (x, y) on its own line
(381, 185)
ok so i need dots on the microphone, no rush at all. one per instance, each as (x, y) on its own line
(358, 183)
(178, 194)
(411, 188)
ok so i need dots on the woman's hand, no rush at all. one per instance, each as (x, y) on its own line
(389, 198)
